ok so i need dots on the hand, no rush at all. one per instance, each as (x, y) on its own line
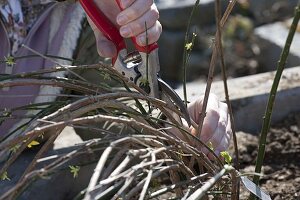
(131, 23)
(216, 127)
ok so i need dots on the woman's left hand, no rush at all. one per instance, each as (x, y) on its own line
(216, 130)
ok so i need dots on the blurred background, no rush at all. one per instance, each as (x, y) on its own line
(252, 38)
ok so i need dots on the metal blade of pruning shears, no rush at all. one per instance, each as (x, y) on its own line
(142, 66)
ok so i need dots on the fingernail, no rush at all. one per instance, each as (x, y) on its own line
(125, 31)
(121, 19)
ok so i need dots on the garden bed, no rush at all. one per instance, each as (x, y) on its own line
(282, 159)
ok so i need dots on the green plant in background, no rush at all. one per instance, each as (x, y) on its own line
(10, 60)
(272, 96)
(188, 46)
(238, 27)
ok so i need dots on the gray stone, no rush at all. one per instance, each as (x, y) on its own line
(171, 4)
(170, 53)
(174, 14)
(272, 38)
(249, 97)
(197, 66)
(265, 11)
(171, 48)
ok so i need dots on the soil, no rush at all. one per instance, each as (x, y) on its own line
(282, 159)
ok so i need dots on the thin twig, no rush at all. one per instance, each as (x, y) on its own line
(54, 61)
(97, 172)
(179, 184)
(45, 148)
(51, 82)
(185, 51)
(33, 163)
(41, 172)
(53, 69)
(148, 179)
(131, 193)
(212, 67)
(16, 154)
(235, 187)
(198, 194)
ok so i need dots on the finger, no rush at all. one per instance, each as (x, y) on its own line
(218, 136)
(195, 108)
(211, 119)
(223, 145)
(126, 3)
(105, 47)
(109, 8)
(134, 11)
(141, 24)
(151, 36)
(210, 125)
(217, 140)
(228, 129)
(211, 156)
(222, 125)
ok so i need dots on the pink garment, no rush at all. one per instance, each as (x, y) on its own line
(37, 39)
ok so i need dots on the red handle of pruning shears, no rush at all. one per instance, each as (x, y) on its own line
(108, 28)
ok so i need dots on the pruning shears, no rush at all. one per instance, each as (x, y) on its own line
(141, 66)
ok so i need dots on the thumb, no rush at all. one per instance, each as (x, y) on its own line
(105, 47)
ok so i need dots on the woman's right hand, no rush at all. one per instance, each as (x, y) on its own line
(130, 21)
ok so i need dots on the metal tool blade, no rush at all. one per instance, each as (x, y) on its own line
(175, 98)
